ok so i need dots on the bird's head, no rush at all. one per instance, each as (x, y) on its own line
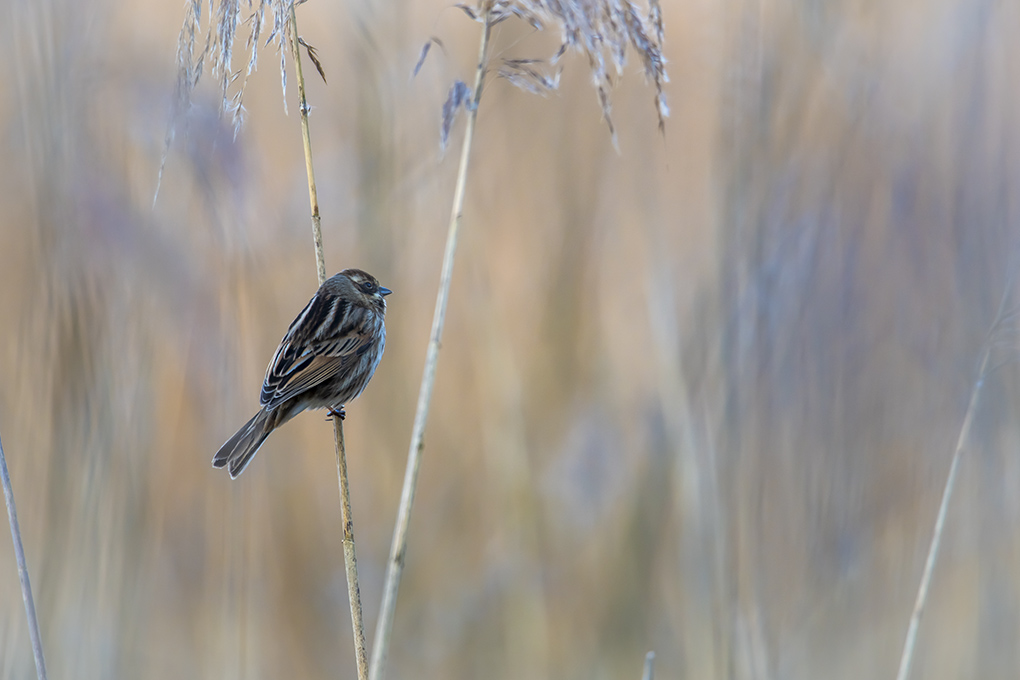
(362, 287)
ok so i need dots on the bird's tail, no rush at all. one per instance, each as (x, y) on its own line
(242, 447)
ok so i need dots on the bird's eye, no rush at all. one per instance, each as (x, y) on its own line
(368, 287)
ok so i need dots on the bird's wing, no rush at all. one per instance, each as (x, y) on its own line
(309, 355)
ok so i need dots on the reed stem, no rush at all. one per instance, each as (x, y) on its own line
(947, 492)
(350, 555)
(19, 553)
(398, 549)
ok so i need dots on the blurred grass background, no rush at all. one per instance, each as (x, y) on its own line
(698, 396)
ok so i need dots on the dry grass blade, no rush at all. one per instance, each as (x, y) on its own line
(521, 73)
(469, 11)
(460, 95)
(314, 56)
(425, 52)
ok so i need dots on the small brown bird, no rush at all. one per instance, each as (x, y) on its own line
(325, 360)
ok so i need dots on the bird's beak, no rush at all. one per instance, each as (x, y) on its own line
(384, 291)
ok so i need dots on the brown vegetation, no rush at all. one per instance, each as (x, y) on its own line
(698, 396)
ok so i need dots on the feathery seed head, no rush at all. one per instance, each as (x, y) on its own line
(219, 47)
(602, 30)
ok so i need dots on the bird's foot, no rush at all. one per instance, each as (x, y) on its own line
(337, 412)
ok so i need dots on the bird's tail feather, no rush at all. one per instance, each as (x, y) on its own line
(242, 447)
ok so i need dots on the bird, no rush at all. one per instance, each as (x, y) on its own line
(325, 360)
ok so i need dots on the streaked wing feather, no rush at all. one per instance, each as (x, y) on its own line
(318, 371)
(298, 365)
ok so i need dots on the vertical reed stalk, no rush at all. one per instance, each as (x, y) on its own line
(398, 549)
(313, 195)
(648, 672)
(19, 553)
(350, 557)
(940, 523)
(907, 656)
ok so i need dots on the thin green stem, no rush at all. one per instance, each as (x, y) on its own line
(398, 549)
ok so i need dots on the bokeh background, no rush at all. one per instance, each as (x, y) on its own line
(698, 395)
